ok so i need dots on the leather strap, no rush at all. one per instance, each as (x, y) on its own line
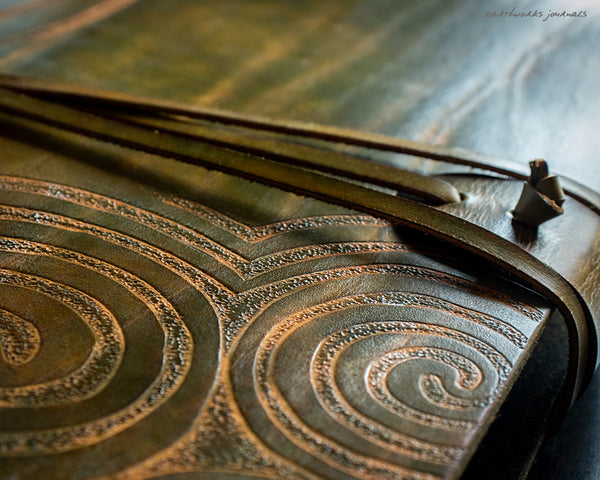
(430, 189)
(487, 245)
(127, 103)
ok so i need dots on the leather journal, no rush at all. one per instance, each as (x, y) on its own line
(189, 293)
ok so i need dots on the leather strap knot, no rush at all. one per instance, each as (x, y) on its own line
(541, 198)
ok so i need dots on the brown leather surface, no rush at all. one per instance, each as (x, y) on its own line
(469, 236)
(488, 204)
(434, 71)
(280, 335)
(220, 417)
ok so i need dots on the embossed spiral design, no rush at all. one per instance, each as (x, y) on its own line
(102, 312)
(390, 385)
(469, 377)
(284, 359)
(97, 369)
(106, 355)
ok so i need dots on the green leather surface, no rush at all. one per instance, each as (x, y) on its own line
(440, 72)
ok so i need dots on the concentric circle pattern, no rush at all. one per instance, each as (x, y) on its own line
(97, 369)
(212, 347)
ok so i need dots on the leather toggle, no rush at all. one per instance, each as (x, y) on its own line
(541, 197)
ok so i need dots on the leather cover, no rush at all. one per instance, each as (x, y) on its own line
(212, 324)
(160, 320)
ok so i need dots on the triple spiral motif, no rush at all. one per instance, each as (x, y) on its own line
(208, 345)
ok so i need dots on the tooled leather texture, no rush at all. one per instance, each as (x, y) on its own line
(221, 327)
(569, 243)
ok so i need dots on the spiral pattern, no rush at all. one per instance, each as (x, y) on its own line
(255, 354)
(100, 365)
(371, 398)
(94, 325)
(469, 376)
(106, 355)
